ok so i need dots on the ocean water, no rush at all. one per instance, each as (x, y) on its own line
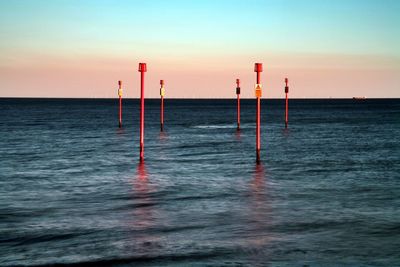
(72, 190)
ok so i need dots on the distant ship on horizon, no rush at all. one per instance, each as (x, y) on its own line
(359, 97)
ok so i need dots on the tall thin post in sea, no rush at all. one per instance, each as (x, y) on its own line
(120, 103)
(238, 103)
(142, 70)
(287, 103)
(258, 68)
(162, 93)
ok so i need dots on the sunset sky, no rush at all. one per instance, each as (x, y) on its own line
(75, 48)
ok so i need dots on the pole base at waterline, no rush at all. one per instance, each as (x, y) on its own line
(258, 159)
(141, 154)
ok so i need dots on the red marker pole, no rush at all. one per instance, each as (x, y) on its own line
(120, 103)
(162, 93)
(142, 70)
(287, 103)
(258, 68)
(238, 103)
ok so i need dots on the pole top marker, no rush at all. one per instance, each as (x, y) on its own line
(238, 86)
(119, 83)
(162, 89)
(258, 67)
(286, 87)
(142, 67)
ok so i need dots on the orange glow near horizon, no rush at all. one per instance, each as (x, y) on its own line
(312, 76)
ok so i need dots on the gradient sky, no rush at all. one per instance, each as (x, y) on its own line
(75, 48)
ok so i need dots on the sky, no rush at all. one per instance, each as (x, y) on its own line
(75, 48)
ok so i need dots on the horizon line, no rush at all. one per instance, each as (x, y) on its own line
(189, 98)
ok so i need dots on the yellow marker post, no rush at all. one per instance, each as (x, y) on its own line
(258, 90)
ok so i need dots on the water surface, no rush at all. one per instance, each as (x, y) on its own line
(72, 190)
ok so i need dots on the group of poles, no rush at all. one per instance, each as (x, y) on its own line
(258, 93)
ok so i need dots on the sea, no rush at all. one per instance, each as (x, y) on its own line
(73, 192)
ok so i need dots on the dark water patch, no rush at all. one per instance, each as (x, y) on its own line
(165, 259)
(30, 239)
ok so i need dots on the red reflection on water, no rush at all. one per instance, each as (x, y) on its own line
(144, 214)
(143, 208)
(260, 201)
(120, 132)
(259, 217)
(238, 135)
(141, 172)
(286, 132)
(258, 182)
(163, 136)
